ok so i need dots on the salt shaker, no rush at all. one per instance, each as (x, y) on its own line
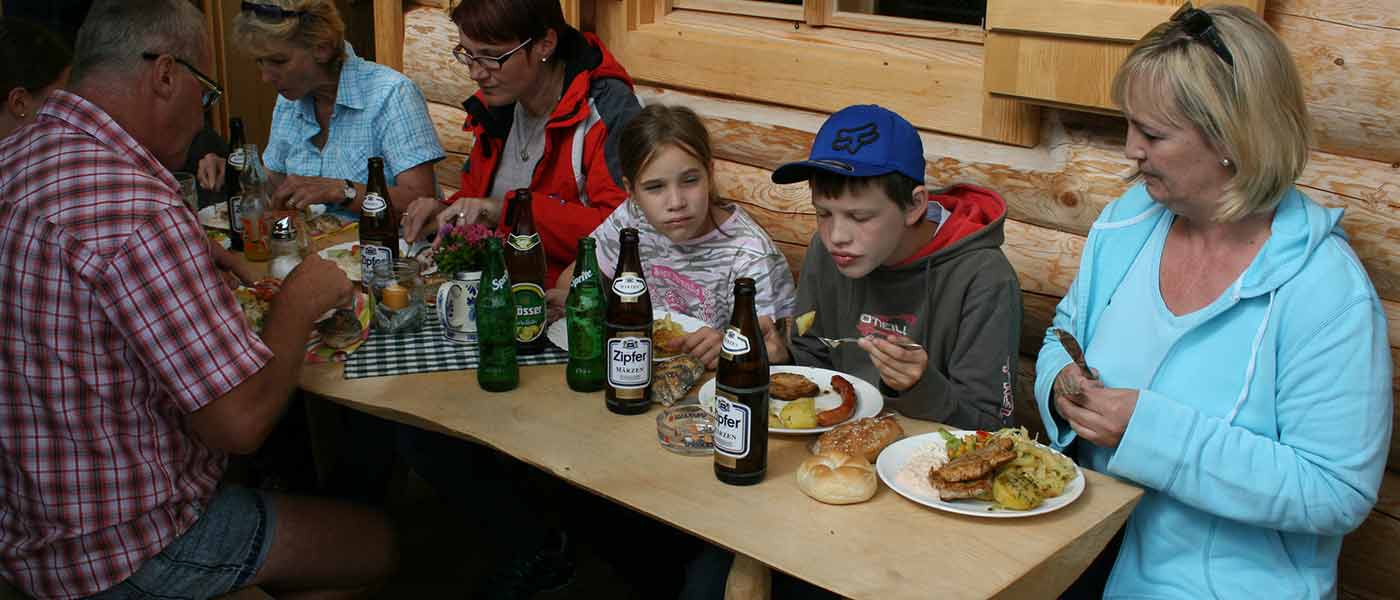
(286, 251)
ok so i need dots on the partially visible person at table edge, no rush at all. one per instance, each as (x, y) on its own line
(1244, 372)
(546, 117)
(33, 63)
(334, 111)
(129, 372)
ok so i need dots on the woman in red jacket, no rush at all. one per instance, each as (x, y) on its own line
(545, 116)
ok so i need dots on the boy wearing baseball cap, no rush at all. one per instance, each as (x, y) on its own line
(894, 262)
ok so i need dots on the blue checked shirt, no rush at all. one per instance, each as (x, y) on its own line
(378, 112)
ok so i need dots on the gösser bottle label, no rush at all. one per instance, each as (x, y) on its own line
(629, 361)
(731, 425)
(523, 243)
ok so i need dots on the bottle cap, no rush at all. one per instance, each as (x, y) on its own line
(284, 229)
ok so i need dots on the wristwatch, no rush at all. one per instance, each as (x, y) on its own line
(349, 192)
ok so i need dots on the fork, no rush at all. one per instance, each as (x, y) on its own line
(831, 344)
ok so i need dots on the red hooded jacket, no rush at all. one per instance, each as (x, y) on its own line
(577, 182)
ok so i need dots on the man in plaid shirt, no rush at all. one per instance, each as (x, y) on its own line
(126, 369)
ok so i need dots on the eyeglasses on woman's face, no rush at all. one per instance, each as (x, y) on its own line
(212, 91)
(490, 63)
(1201, 27)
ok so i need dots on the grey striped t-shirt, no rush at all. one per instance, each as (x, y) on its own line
(696, 277)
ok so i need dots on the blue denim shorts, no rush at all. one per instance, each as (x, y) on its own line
(218, 554)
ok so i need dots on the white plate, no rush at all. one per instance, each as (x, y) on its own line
(893, 459)
(216, 215)
(558, 331)
(869, 401)
(352, 268)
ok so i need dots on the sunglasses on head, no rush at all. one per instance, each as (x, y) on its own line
(1201, 27)
(268, 12)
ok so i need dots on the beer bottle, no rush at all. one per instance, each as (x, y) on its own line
(584, 311)
(379, 230)
(629, 333)
(495, 325)
(255, 209)
(525, 262)
(741, 395)
(233, 190)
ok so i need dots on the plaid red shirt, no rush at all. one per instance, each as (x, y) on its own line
(114, 325)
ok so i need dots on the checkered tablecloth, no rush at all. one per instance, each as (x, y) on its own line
(424, 352)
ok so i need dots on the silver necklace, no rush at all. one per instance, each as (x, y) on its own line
(522, 140)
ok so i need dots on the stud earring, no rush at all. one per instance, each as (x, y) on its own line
(1225, 162)
(23, 115)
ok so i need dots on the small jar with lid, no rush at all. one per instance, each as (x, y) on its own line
(285, 248)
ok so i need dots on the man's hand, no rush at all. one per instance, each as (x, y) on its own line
(703, 344)
(774, 342)
(1098, 414)
(900, 368)
(211, 171)
(298, 192)
(231, 266)
(314, 287)
(417, 216)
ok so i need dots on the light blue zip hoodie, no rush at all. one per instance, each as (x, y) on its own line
(1254, 464)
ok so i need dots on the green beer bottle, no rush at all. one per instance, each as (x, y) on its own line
(495, 324)
(584, 308)
(525, 261)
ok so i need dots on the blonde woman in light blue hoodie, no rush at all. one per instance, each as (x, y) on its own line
(1240, 366)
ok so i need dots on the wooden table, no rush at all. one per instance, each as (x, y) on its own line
(888, 547)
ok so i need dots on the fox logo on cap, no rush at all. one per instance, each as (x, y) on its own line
(854, 138)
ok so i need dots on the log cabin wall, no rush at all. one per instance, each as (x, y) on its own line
(1346, 51)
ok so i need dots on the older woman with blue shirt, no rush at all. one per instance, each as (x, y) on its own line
(1239, 365)
(334, 111)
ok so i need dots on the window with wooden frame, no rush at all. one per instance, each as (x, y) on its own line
(823, 59)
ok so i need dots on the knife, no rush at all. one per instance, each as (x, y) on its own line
(1075, 352)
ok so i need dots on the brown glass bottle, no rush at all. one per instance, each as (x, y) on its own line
(233, 189)
(379, 230)
(741, 395)
(526, 264)
(628, 346)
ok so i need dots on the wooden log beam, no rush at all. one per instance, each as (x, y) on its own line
(427, 58)
(389, 33)
(1348, 69)
(1370, 561)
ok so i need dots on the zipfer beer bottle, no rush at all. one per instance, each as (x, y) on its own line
(495, 325)
(379, 230)
(233, 189)
(629, 333)
(585, 311)
(525, 261)
(741, 395)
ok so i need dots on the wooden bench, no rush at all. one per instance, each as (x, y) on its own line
(1054, 192)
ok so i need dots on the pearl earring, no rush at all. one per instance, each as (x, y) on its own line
(1225, 162)
(23, 115)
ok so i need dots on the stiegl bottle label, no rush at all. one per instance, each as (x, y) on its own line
(629, 361)
(732, 426)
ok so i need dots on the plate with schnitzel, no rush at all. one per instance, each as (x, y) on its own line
(920, 469)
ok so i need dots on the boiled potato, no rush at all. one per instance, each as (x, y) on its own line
(799, 414)
(1015, 490)
(805, 320)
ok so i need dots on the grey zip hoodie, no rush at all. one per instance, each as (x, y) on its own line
(962, 302)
